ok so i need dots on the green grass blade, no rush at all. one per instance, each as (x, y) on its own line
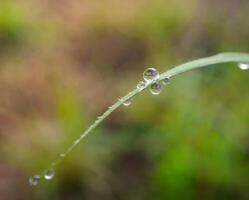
(203, 62)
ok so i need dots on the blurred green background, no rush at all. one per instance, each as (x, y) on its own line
(62, 63)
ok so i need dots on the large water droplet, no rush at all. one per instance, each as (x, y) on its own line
(155, 88)
(151, 74)
(34, 180)
(49, 174)
(244, 66)
(166, 81)
(141, 85)
(127, 102)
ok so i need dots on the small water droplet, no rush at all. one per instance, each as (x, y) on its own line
(150, 74)
(49, 174)
(155, 88)
(62, 155)
(141, 85)
(34, 180)
(244, 66)
(166, 81)
(127, 102)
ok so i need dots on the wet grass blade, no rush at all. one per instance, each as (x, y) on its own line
(203, 62)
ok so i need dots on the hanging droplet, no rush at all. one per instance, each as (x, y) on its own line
(166, 81)
(150, 74)
(34, 180)
(155, 88)
(127, 102)
(49, 174)
(141, 85)
(244, 66)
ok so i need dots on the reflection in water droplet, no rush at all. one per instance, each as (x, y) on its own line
(34, 180)
(150, 74)
(166, 81)
(49, 174)
(141, 85)
(244, 66)
(155, 88)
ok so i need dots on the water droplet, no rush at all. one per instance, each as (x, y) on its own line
(34, 180)
(49, 174)
(166, 81)
(244, 66)
(127, 102)
(141, 85)
(62, 155)
(151, 74)
(155, 88)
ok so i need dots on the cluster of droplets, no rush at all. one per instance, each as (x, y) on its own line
(48, 175)
(151, 76)
(244, 66)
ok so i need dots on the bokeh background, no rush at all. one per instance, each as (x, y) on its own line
(62, 63)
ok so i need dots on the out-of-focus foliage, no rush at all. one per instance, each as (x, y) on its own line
(64, 62)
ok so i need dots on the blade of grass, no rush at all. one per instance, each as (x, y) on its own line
(203, 62)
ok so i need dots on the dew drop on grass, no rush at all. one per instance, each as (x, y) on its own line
(34, 180)
(155, 88)
(141, 85)
(166, 81)
(244, 66)
(127, 102)
(151, 74)
(49, 174)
